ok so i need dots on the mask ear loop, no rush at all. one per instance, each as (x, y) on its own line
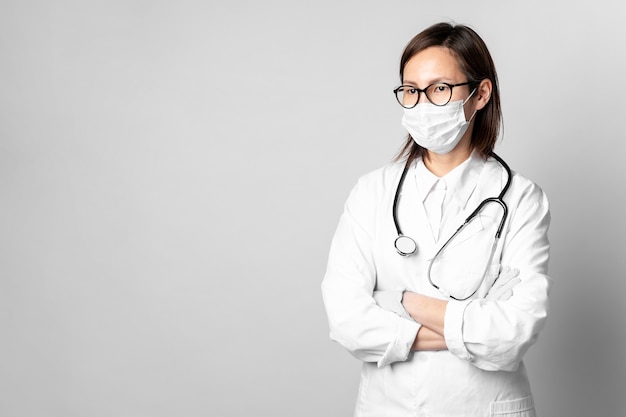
(468, 97)
(465, 101)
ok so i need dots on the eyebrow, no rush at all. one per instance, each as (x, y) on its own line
(434, 81)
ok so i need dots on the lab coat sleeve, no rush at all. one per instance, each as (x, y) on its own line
(392, 301)
(367, 331)
(495, 335)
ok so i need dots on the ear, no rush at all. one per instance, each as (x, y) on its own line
(483, 93)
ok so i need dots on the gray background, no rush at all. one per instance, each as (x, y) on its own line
(171, 174)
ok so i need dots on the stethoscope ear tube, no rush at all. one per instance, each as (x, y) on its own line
(404, 245)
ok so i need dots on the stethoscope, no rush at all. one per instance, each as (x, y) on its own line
(406, 246)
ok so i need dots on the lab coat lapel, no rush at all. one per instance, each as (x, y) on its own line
(413, 219)
(425, 239)
(488, 184)
(466, 194)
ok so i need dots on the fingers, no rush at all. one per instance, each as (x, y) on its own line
(502, 288)
(506, 291)
(507, 273)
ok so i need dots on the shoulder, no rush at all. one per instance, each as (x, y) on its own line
(379, 181)
(521, 187)
(383, 175)
(373, 191)
(528, 189)
(526, 198)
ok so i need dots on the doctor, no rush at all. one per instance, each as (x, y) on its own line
(442, 332)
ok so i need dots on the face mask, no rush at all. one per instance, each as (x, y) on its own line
(437, 128)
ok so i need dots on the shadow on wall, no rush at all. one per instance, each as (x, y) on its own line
(580, 366)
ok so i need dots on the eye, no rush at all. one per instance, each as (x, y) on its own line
(440, 88)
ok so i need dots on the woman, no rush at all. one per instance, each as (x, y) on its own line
(441, 324)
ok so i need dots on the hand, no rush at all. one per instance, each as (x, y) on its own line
(502, 288)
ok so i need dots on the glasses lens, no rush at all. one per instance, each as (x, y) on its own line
(439, 94)
(407, 96)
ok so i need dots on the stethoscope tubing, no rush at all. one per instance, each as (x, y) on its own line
(410, 247)
(498, 199)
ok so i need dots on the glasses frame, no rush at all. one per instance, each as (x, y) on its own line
(419, 90)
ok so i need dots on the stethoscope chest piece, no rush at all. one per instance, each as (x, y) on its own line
(405, 245)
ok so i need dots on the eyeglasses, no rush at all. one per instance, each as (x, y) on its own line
(438, 93)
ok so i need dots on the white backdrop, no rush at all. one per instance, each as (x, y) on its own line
(171, 174)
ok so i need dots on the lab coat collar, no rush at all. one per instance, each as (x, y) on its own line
(424, 180)
(460, 182)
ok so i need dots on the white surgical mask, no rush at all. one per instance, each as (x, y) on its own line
(437, 128)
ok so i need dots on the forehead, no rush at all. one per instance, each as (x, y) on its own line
(433, 64)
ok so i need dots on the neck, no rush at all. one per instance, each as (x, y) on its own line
(440, 165)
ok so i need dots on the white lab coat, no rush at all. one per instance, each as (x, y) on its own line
(481, 373)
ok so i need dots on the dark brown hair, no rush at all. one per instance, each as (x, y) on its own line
(476, 63)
